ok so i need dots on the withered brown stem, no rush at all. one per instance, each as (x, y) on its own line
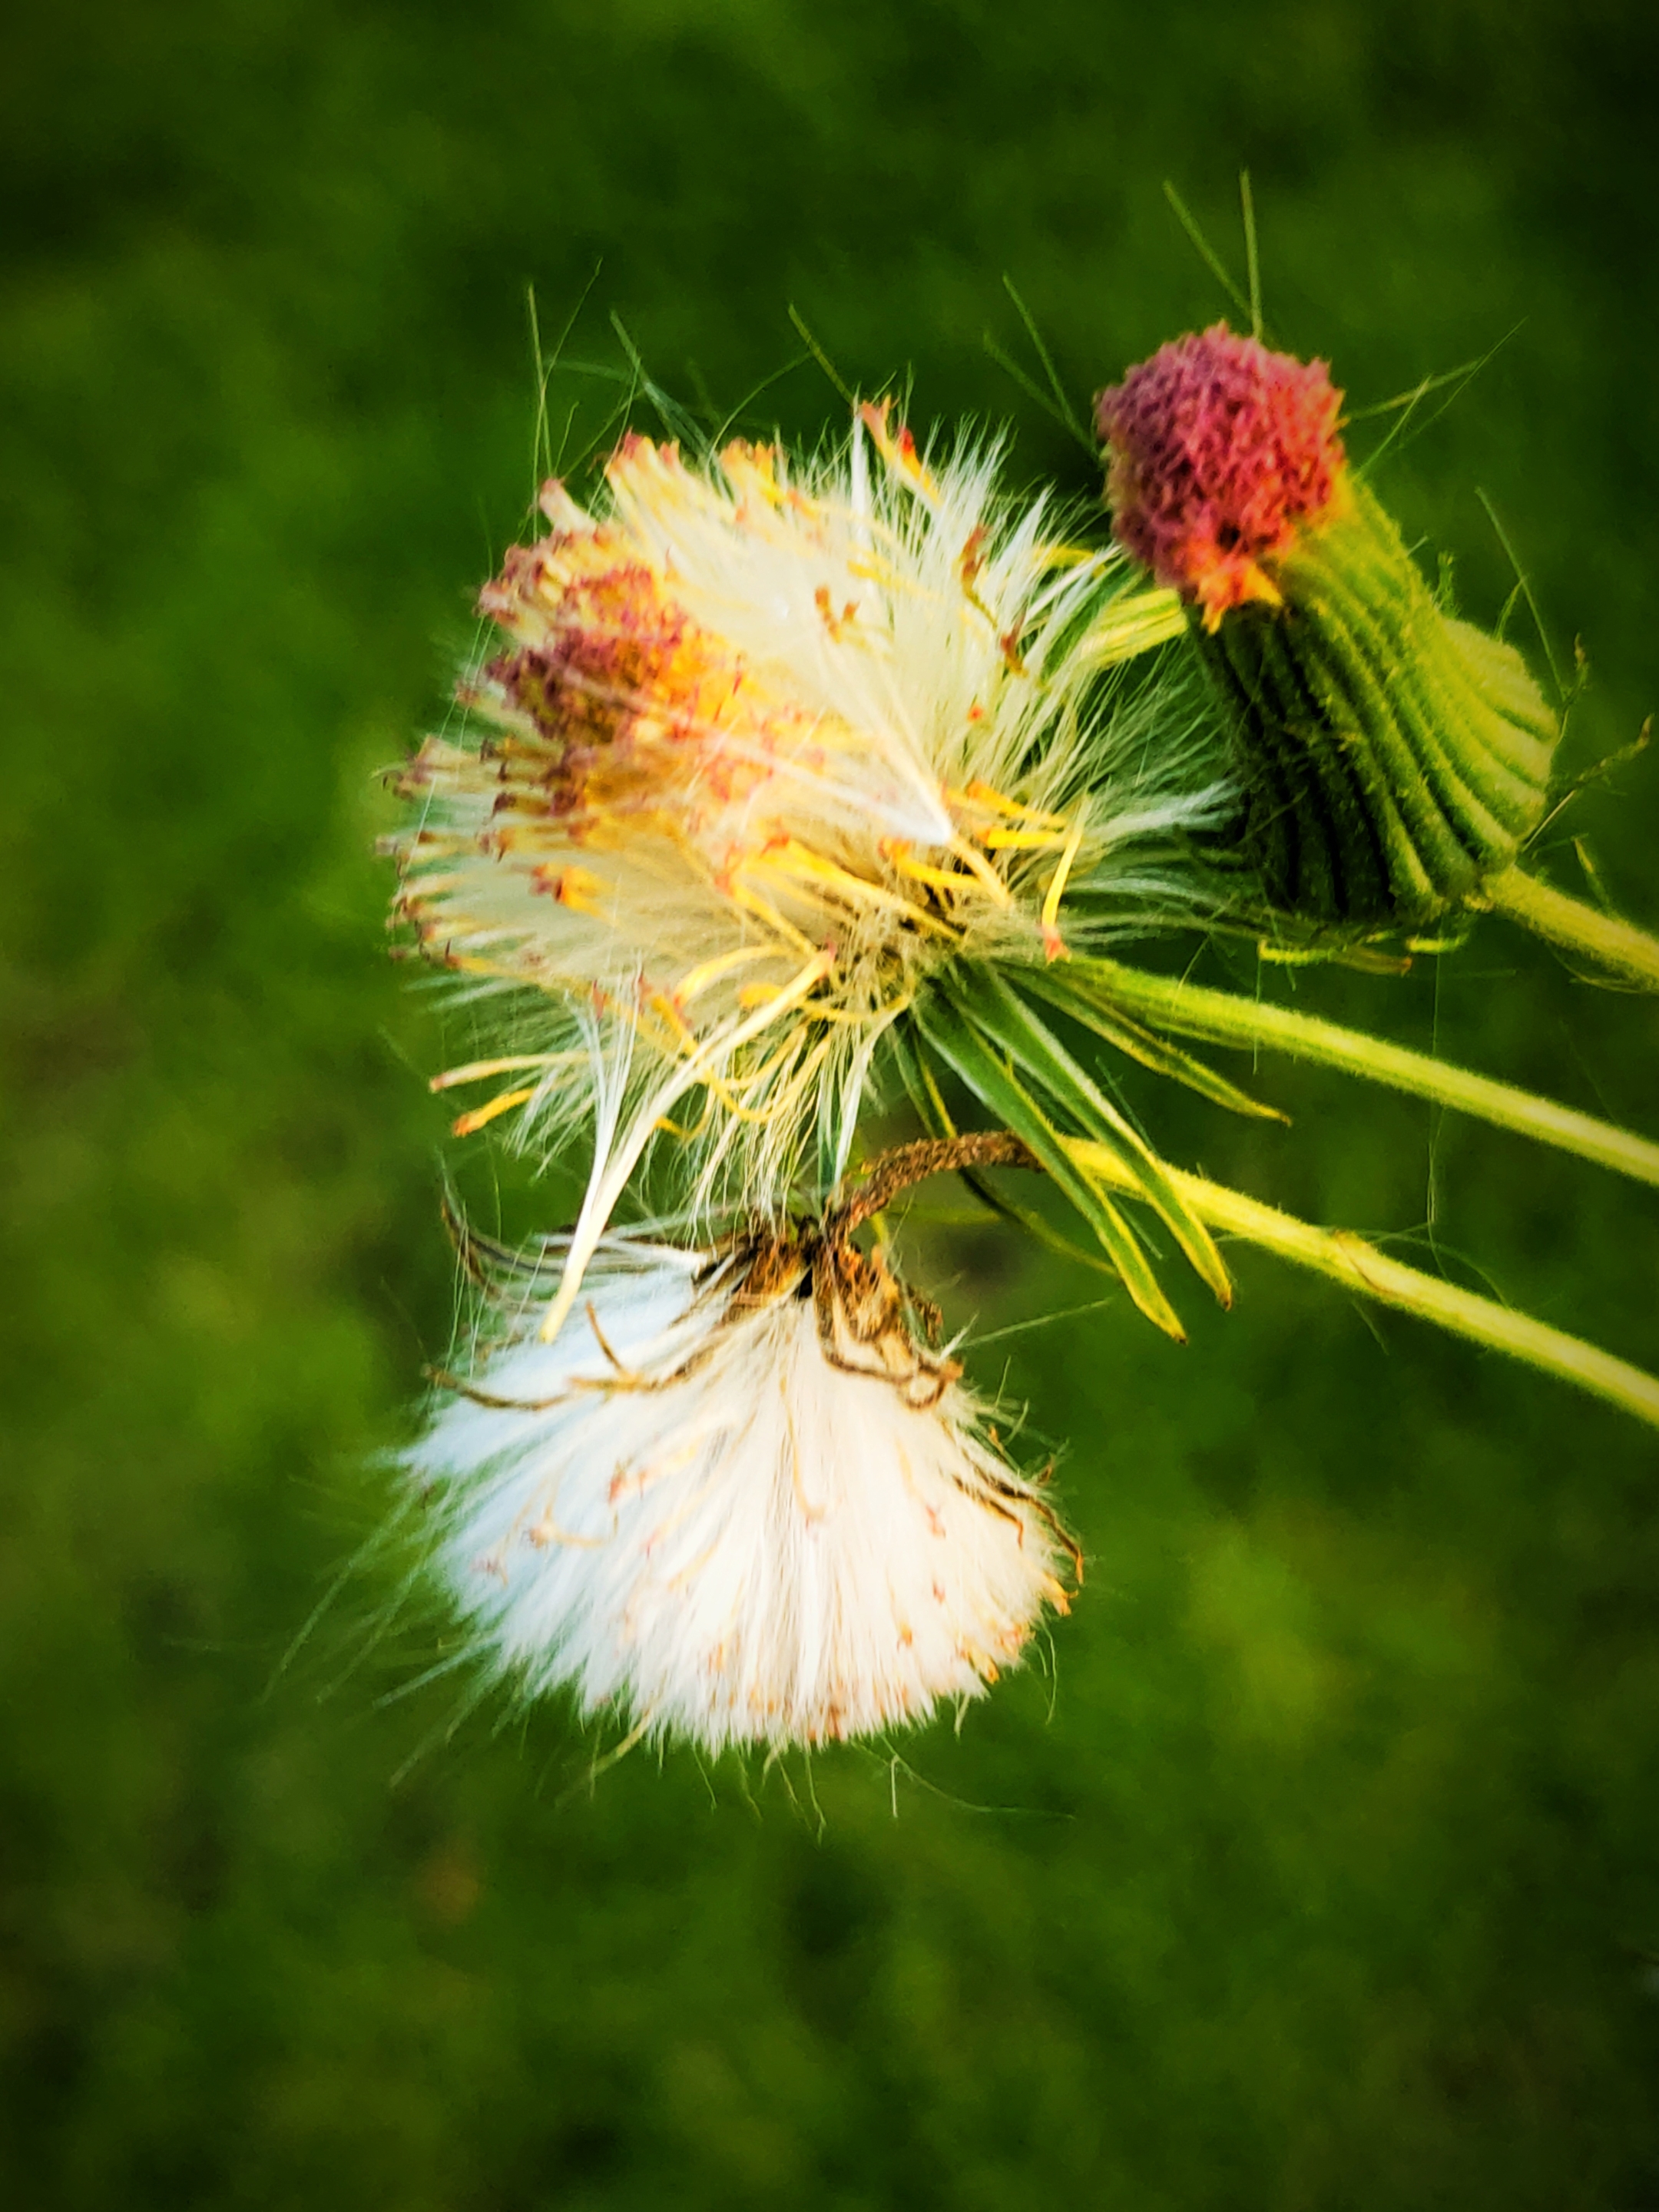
(892, 1172)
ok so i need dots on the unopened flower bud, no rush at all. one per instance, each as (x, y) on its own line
(1394, 758)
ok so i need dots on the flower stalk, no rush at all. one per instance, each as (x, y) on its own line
(1339, 1254)
(1627, 954)
(1097, 989)
(1358, 1266)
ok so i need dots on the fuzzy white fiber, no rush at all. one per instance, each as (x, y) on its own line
(764, 743)
(699, 1519)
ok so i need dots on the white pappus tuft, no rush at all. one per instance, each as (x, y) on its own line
(737, 1501)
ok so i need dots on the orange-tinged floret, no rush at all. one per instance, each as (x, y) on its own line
(1220, 451)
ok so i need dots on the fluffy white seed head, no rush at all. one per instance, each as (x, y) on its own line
(736, 1502)
(767, 741)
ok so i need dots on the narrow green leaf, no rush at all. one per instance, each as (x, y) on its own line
(1004, 1019)
(965, 1048)
(931, 1111)
(1095, 1011)
(907, 1059)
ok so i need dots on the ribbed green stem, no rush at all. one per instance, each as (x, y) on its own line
(1217, 1017)
(1630, 953)
(1361, 1269)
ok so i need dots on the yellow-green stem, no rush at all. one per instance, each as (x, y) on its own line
(1220, 1017)
(1360, 1268)
(1630, 953)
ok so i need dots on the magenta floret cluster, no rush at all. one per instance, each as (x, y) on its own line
(1219, 449)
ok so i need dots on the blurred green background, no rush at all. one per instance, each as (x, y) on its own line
(1319, 1871)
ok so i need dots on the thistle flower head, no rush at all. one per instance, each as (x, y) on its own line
(764, 745)
(1392, 758)
(1219, 449)
(737, 1501)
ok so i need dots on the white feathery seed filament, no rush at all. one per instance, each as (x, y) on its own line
(736, 1502)
(767, 741)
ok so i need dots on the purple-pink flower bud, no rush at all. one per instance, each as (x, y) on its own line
(1219, 449)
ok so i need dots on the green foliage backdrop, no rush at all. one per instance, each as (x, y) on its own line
(1318, 1870)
